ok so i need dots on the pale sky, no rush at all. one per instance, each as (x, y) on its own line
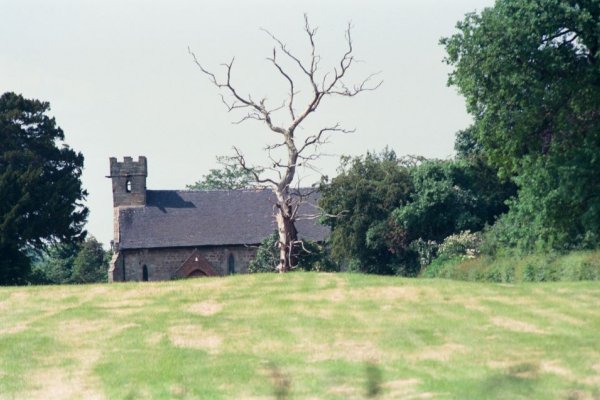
(121, 83)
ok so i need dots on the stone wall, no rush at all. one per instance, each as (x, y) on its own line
(163, 263)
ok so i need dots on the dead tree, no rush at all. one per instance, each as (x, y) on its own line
(297, 150)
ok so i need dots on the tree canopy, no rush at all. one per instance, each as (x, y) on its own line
(358, 203)
(529, 71)
(231, 176)
(40, 182)
(382, 209)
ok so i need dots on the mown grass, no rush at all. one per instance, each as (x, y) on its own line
(301, 335)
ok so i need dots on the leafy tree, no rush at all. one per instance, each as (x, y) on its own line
(230, 177)
(450, 197)
(266, 259)
(55, 266)
(91, 263)
(388, 216)
(530, 73)
(40, 182)
(64, 263)
(359, 202)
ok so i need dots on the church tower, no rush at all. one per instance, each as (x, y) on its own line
(129, 190)
(128, 181)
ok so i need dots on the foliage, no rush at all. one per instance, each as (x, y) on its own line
(450, 197)
(358, 203)
(312, 256)
(530, 73)
(461, 245)
(389, 215)
(231, 176)
(267, 256)
(426, 250)
(65, 263)
(40, 183)
(55, 266)
(539, 267)
(91, 263)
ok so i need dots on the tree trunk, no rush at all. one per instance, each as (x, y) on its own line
(288, 237)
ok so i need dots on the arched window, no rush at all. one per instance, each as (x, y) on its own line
(231, 264)
(145, 273)
(128, 186)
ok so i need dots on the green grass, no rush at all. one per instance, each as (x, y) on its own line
(545, 267)
(307, 335)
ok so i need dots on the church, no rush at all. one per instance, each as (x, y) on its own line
(173, 234)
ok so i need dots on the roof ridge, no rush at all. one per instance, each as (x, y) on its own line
(209, 190)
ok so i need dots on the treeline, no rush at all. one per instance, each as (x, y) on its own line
(393, 216)
(66, 263)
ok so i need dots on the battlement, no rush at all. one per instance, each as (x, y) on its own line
(128, 167)
(128, 181)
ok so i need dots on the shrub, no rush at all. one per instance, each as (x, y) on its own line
(267, 256)
(426, 251)
(461, 245)
(574, 266)
(312, 256)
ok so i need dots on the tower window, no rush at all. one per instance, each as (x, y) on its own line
(145, 274)
(231, 264)
(128, 186)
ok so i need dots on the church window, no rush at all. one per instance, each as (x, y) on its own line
(128, 186)
(145, 273)
(231, 264)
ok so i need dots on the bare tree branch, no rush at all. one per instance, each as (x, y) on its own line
(299, 152)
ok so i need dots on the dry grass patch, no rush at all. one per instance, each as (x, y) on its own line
(344, 349)
(516, 325)
(556, 368)
(406, 389)
(346, 391)
(397, 293)
(154, 338)
(206, 308)
(195, 337)
(438, 353)
(59, 383)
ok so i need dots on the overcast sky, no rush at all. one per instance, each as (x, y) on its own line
(121, 82)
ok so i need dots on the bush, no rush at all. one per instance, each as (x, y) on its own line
(267, 256)
(461, 245)
(574, 266)
(426, 251)
(312, 256)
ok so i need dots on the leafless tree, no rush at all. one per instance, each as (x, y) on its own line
(298, 149)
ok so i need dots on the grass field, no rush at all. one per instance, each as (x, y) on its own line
(317, 336)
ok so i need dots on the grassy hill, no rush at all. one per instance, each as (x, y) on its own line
(318, 336)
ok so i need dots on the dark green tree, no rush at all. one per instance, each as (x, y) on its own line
(40, 185)
(55, 265)
(91, 263)
(231, 176)
(451, 196)
(530, 73)
(267, 256)
(359, 202)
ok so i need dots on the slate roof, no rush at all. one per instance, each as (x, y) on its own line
(207, 218)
